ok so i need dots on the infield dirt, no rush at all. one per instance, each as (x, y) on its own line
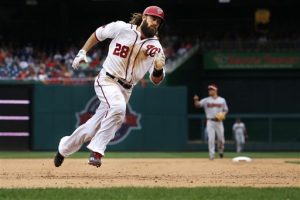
(33, 173)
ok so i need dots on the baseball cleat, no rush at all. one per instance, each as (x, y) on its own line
(221, 155)
(95, 159)
(58, 159)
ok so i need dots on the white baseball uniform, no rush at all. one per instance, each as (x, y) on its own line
(239, 133)
(129, 58)
(212, 106)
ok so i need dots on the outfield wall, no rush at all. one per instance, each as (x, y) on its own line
(157, 119)
(265, 99)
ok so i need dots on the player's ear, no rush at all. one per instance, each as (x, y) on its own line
(144, 17)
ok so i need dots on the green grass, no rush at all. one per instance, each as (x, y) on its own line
(5, 154)
(294, 162)
(221, 193)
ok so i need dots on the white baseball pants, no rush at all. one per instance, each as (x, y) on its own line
(100, 128)
(240, 141)
(215, 129)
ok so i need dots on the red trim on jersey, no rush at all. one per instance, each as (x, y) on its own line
(130, 54)
(103, 95)
(96, 37)
(135, 59)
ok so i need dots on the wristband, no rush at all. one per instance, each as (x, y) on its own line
(157, 73)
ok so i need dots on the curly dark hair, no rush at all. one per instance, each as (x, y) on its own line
(136, 19)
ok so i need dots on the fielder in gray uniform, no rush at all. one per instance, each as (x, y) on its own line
(215, 108)
(240, 133)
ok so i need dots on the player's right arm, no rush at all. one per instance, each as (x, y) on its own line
(92, 41)
(81, 56)
(233, 130)
(110, 30)
(234, 127)
(197, 102)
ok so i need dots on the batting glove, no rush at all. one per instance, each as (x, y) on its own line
(159, 61)
(81, 57)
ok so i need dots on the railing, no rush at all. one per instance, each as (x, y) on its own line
(250, 45)
(173, 65)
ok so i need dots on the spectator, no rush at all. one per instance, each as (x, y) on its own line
(35, 63)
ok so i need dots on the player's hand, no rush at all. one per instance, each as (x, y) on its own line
(81, 57)
(220, 116)
(196, 98)
(196, 101)
(159, 61)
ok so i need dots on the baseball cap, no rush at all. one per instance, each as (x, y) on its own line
(212, 87)
(155, 11)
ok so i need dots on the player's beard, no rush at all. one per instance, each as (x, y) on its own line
(147, 31)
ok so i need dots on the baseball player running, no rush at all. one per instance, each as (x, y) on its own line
(215, 108)
(133, 51)
(240, 133)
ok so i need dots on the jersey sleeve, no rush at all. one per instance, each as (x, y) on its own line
(234, 127)
(152, 68)
(202, 102)
(244, 127)
(110, 30)
(225, 107)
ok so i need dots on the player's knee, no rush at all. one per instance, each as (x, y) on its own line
(89, 133)
(90, 128)
(118, 111)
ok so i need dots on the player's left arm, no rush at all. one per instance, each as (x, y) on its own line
(225, 108)
(245, 131)
(220, 116)
(157, 76)
(158, 73)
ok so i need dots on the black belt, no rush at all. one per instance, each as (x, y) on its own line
(125, 85)
(213, 119)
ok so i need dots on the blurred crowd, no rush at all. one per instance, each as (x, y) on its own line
(53, 63)
(254, 41)
(31, 62)
(20, 62)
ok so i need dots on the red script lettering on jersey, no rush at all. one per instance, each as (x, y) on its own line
(210, 105)
(151, 50)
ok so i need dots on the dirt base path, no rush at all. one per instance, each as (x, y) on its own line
(32, 173)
